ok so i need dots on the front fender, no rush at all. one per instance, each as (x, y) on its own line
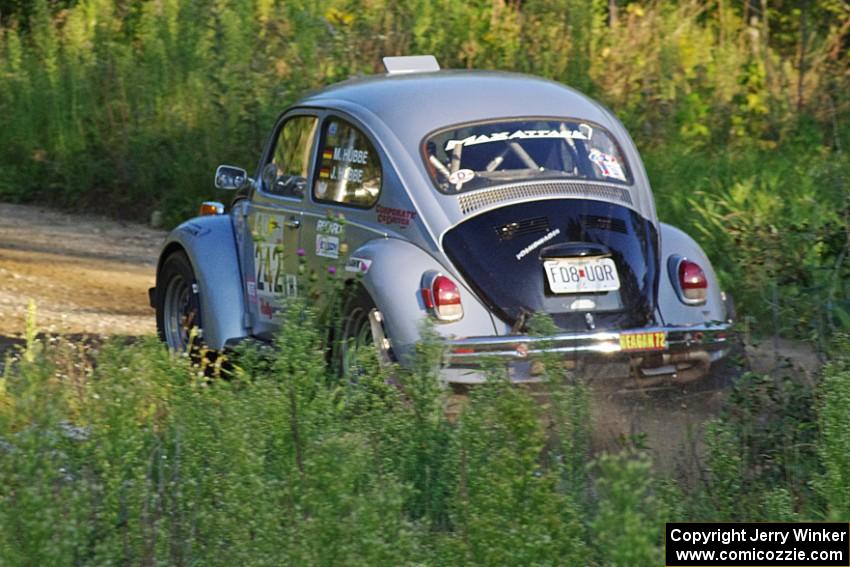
(673, 311)
(393, 281)
(210, 244)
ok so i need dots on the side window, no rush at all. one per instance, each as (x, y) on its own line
(349, 169)
(286, 173)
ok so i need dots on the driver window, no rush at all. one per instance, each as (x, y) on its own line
(286, 174)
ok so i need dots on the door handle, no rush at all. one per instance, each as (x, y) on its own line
(293, 222)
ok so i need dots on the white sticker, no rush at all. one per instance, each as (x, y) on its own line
(516, 135)
(461, 176)
(608, 164)
(537, 244)
(327, 246)
(325, 226)
(358, 265)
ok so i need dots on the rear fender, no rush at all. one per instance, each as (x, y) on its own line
(673, 310)
(210, 244)
(393, 279)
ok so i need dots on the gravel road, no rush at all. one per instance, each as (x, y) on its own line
(86, 274)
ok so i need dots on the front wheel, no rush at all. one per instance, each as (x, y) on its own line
(178, 305)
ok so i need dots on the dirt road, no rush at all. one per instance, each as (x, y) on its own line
(86, 274)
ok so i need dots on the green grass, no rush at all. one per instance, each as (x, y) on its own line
(127, 454)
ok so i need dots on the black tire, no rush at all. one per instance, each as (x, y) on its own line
(355, 335)
(178, 304)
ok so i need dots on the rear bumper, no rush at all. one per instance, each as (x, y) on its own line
(465, 357)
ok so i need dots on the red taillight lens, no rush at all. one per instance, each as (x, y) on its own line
(442, 297)
(692, 280)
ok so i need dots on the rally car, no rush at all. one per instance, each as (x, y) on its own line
(473, 200)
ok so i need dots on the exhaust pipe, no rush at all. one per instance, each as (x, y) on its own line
(680, 367)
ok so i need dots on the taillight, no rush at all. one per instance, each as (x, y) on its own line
(441, 297)
(689, 279)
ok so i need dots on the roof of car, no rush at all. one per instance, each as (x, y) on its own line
(416, 103)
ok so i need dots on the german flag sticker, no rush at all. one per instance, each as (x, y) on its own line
(328, 153)
(325, 172)
(635, 342)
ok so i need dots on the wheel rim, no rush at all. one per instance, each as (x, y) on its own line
(358, 338)
(180, 313)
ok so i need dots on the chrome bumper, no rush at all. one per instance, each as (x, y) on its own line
(607, 345)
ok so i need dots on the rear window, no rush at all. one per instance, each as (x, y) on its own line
(474, 156)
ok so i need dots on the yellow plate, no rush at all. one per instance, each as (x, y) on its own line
(643, 341)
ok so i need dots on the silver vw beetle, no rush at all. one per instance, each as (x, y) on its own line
(469, 199)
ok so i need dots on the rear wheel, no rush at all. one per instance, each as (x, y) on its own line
(178, 305)
(355, 349)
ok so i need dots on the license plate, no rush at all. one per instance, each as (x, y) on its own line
(632, 342)
(581, 275)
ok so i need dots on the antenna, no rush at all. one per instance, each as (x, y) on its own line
(411, 64)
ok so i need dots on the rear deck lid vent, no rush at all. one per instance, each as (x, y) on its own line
(470, 202)
(604, 223)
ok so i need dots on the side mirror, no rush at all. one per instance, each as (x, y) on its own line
(231, 178)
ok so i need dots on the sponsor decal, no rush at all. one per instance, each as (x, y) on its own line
(358, 265)
(252, 290)
(327, 246)
(537, 244)
(325, 226)
(516, 135)
(631, 342)
(389, 215)
(332, 127)
(461, 176)
(607, 164)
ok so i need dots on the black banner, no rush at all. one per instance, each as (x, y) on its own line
(760, 545)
